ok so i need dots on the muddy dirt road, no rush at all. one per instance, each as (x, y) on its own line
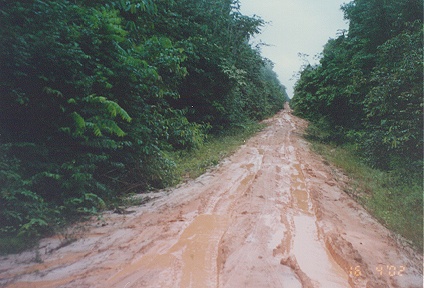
(272, 215)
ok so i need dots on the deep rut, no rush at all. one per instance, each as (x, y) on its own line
(271, 215)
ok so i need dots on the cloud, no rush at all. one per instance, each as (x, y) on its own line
(296, 26)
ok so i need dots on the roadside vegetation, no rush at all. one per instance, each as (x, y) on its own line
(393, 197)
(365, 99)
(191, 164)
(100, 99)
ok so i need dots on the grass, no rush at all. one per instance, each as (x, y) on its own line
(394, 198)
(191, 164)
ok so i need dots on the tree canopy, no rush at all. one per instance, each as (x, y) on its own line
(368, 84)
(95, 93)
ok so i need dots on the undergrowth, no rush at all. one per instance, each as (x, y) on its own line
(189, 164)
(394, 197)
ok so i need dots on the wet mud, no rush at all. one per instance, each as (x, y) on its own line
(271, 215)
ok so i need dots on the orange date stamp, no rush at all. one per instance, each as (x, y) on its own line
(382, 270)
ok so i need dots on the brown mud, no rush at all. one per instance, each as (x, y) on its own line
(271, 215)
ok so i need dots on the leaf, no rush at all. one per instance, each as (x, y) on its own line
(31, 228)
(97, 131)
(72, 101)
(79, 122)
(52, 91)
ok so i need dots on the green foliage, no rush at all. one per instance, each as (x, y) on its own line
(369, 82)
(21, 210)
(97, 95)
(367, 91)
(394, 105)
(395, 198)
(223, 70)
(193, 163)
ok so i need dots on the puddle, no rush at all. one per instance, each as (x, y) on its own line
(246, 181)
(312, 257)
(195, 250)
(310, 252)
(302, 200)
(300, 192)
(200, 256)
(272, 221)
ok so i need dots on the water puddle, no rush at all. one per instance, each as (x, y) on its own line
(200, 256)
(246, 181)
(299, 191)
(302, 200)
(195, 250)
(312, 257)
(310, 252)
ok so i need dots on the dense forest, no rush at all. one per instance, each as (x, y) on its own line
(368, 84)
(367, 92)
(96, 94)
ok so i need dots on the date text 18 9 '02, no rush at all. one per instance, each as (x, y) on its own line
(382, 270)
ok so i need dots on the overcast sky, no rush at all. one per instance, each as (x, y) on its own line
(296, 26)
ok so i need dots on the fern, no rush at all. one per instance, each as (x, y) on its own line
(79, 122)
(99, 117)
(112, 107)
(32, 227)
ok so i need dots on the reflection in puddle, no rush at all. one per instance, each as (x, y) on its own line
(310, 252)
(312, 256)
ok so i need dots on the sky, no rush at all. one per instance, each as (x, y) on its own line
(295, 26)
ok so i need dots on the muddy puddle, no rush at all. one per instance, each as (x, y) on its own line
(271, 215)
(194, 254)
(312, 256)
(309, 248)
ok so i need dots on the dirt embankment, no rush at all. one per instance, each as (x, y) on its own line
(272, 215)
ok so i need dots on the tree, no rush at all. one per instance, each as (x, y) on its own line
(369, 82)
(96, 94)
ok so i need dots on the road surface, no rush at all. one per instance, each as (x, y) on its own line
(274, 214)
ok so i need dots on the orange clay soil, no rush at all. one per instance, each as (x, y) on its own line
(271, 215)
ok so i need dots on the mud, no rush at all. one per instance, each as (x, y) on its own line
(271, 215)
